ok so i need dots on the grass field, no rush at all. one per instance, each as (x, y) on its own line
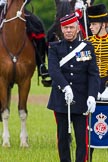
(41, 128)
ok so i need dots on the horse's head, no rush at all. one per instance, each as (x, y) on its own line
(17, 6)
(15, 22)
(9, 2)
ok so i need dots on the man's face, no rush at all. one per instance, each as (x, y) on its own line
(70, 31)
(95, 27)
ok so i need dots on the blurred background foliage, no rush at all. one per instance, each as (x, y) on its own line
(46, 10)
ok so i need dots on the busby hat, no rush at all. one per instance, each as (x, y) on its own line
(97, 13)
(68, 19)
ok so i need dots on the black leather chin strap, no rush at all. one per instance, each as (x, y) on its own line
(99, 29)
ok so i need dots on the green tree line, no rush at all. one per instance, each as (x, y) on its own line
(46, 10)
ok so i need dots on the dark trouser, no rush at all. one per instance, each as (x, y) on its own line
(79, 125)
(41, 48)
(91, 154)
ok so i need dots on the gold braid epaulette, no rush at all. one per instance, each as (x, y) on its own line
(101, 51)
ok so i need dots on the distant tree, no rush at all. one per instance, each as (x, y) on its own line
(102, 1)
(45, 9)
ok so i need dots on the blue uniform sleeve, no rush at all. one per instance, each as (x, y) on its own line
(54, 67)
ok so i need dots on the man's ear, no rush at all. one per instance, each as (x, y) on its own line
(62, 29)
(104, 25)
(78, 28)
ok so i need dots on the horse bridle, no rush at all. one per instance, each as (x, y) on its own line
(13, 57)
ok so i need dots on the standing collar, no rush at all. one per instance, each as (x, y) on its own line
(104, 36)
(71, 42)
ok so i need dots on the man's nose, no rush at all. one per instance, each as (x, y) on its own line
(90, 26)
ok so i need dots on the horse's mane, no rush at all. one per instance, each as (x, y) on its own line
(35, 23)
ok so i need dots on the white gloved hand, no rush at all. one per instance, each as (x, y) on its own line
(99, 96)
(91, 103)
(68, 94)
(104, 95)
(3, 2)
(79, 4)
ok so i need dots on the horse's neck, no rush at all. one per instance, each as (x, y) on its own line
(14, 30)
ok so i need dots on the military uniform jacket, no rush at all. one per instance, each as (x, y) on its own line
(101, 51)
(82, 76)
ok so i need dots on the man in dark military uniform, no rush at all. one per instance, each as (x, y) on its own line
(75, 79)
(98, 18)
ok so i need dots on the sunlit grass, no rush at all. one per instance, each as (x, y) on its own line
(41, 128)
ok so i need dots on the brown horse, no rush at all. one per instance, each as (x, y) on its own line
(17, 65)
